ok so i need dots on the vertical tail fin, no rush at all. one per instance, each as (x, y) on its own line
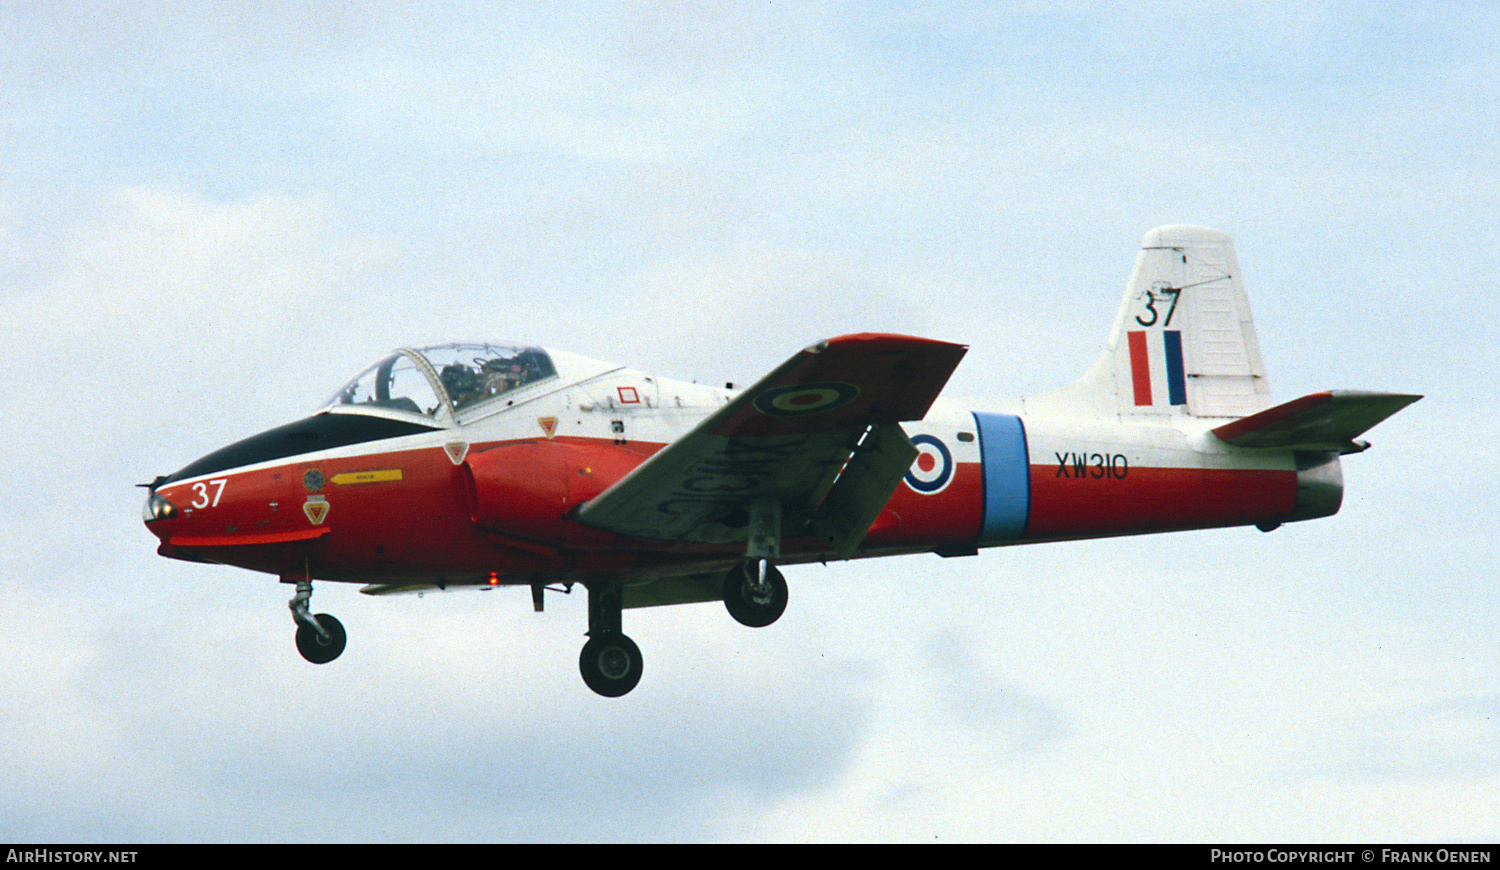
(1183, 341)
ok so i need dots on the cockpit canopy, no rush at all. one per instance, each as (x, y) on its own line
(442, 382)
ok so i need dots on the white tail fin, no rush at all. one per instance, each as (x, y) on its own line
(1183, 341)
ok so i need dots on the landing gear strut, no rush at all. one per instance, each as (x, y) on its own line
(320, 638)
(610, 661)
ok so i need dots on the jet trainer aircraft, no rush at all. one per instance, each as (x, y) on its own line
(486, 464)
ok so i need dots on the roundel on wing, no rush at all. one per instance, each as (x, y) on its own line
(801, 399)
(932, 470)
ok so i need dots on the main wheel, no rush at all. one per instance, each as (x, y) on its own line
(610, 664)
(318, 649)
(756, 608)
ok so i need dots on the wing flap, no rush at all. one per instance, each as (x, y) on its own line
(1320, 421)
(787, 438)
(863, 487)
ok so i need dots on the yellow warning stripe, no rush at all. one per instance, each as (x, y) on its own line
(367, 476)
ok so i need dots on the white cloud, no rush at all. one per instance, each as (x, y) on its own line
(163, 326)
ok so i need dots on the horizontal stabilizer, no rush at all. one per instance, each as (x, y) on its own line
(1321, 421)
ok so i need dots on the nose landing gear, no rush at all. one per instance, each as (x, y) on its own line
(320, 638)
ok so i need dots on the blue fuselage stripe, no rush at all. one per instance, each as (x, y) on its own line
(1007, 477)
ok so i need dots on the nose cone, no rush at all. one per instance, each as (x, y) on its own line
(157, 508)
(160, 515)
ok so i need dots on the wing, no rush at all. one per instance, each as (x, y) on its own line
(1321, 421)
(820, 435)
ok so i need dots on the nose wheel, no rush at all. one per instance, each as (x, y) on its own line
(321, 648)
(320, 638)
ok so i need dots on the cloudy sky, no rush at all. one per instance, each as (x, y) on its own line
(212, 214)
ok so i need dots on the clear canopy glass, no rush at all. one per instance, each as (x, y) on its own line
(442, 381)
(472, 374)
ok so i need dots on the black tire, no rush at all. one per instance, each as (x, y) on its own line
(314, 647)
(748, 608)
(610, 664)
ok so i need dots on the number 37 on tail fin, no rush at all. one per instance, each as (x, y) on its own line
(485, 464)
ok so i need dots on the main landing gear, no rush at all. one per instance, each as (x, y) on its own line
(320, 638)
(755, 593)
(610, 661)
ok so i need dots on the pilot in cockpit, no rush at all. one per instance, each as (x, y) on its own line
(462, 384)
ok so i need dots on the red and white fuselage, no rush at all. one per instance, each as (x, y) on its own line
(475, 464)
